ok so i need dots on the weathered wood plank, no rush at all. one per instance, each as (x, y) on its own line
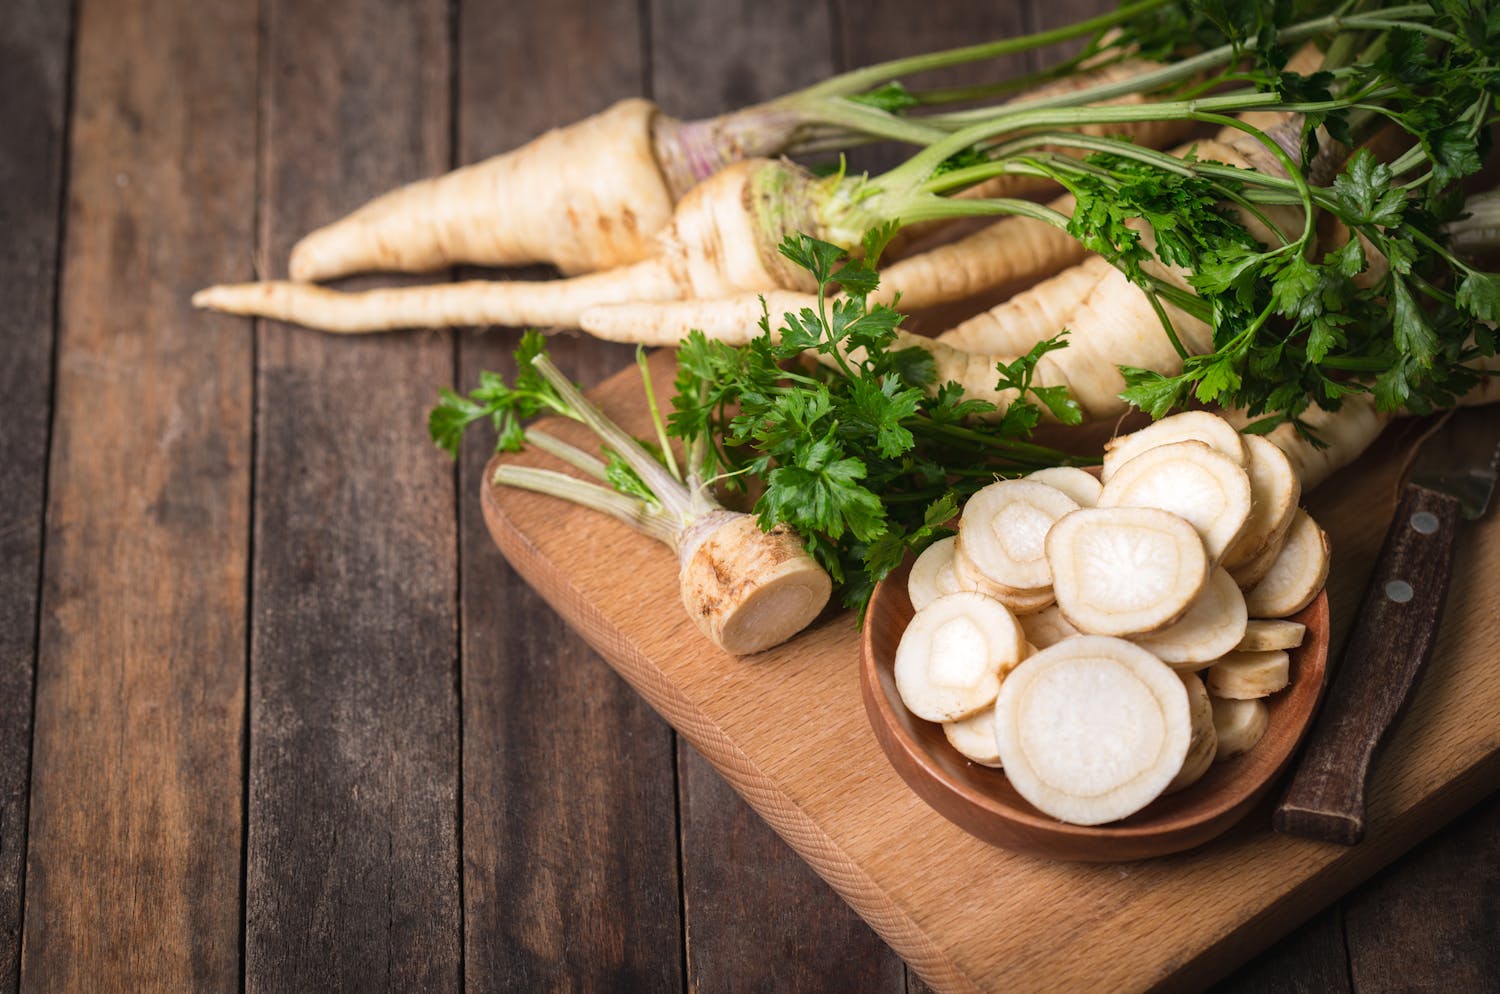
(33, 100)
(568, 787)
(133, 868)
(1428, 923)
(1312, 960)
(352, 872)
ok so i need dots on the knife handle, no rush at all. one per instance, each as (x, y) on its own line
(1391, 641)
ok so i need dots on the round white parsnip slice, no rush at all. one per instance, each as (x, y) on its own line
(1047, 627)
(1082, 486)
(1214, 625)
(1092, 729)
(1020, 602)
(1264, 634)
(1125, 570)
(1296, 576)
(1204, 744)
(1238, 726)
(1192, 481)
(1274, 493)
(952, 656)
(1247, 575)
(932, 574)
(1003, 532)
(1201, 426)
(974, 737)
(1245, 676)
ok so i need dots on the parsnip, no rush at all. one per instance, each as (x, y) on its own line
(1244, 676)
(1193, 482)
(1200, 426)
(1078, 484)
(1003, 530)
(952, 656)
(1247, 575)
(1020, 602)
(1274, 492)
(974, 737)
(1092, 729)
(1204, 744)
(1264, 634)
(1297, 574)
(1125, 570)
(1238, 726)
(1047, 627)
(1213, 626)
(932, 574)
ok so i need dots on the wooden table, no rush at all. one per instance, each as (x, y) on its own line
(274, 714)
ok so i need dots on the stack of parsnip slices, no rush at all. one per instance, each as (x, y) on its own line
(1105, 642)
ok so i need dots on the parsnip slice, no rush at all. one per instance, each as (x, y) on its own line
(1082, 486)
(1274, 493)
(953, 654)
(974, 737)
(1125, 570)
(1245, 676)
(1296, 576)
(1204, 744)
(1247, 575)
(1192, 481)
(1264, 634)
(1213, 626)
(1003, 532)
(932, 574)
(1021, 602)
(1047, 627)
(1092, 729)
(1238, 726)
(1210, 429)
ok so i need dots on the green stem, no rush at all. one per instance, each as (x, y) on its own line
(859, 80)
(633, 511)
(570, 454)
(661, 429)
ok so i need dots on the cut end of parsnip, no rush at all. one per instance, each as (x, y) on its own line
(749, 590)
(1246, 676)
(1264, 634)
(953, 655)
(1125, 570)
(1238, 726)
(974, 737)
(1192, 481)
(1274, 493)
(1200, 426)
(1092, 729)
(1078, 484)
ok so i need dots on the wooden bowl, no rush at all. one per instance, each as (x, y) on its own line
(982, 802)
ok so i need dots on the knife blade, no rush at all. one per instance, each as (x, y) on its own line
(1451, 479)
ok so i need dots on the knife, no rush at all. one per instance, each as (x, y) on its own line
(1452, 478)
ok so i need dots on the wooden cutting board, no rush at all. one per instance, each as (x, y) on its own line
(787, 730)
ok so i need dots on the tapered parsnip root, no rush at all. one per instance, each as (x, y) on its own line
(1296, 576)
(722, 239)
(1204, 744)
(1238, 726)
(1213, 626)
(586, 197)
(1265, 634)
(748, 590)
(1003, 531)
(1092, 729)
(952, 656)
(1078, 484)
(1274, 493)
(1125, 570)
(974, 737)
(1245, 676)
(932, 574)
(1190, 480)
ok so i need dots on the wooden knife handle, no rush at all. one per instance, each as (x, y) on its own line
(1391, 641)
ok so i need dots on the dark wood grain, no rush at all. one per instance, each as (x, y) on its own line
(352, 871)
(132, 877)
(1312, 960)
(33, 78)
(1428, 924)
(567, 774)
(1391, 641)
